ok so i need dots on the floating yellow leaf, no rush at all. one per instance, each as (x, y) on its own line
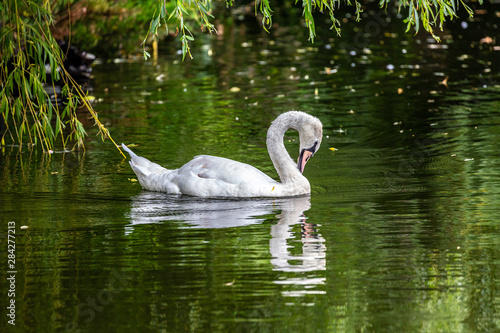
(132, 179)
(444, 82)
(90, 98)
(333, 149)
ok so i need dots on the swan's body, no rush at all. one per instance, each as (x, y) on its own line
(210, 176)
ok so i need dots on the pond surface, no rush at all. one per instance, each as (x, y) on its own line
(400, 234)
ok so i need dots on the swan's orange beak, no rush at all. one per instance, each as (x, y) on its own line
(304, 156)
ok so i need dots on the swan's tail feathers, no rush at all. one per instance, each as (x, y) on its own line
(142, 166)
(127, 149)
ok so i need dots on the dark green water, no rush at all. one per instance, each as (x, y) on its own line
(401, 232)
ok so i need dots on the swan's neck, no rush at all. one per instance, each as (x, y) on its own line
(287, 169)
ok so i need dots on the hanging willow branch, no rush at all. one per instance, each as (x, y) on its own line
(426, 13)
(29, 52)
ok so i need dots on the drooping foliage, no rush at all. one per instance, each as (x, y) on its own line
(428, 14)
(39, 99)
(34, 111)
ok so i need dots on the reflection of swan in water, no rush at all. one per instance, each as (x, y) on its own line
(313, 247)
(311, 258)
(156, 207)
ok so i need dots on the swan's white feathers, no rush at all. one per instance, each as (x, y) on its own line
(218, 176)
(210, 176)
(141, 164)
(213, 167)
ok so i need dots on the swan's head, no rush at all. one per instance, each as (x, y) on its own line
(310, 135)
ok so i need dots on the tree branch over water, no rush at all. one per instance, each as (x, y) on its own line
(33, 111)
(428, 14)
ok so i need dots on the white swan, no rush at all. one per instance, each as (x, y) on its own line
(210, 176)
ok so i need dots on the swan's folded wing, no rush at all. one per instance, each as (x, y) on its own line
(217, 176)
(229, 171)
